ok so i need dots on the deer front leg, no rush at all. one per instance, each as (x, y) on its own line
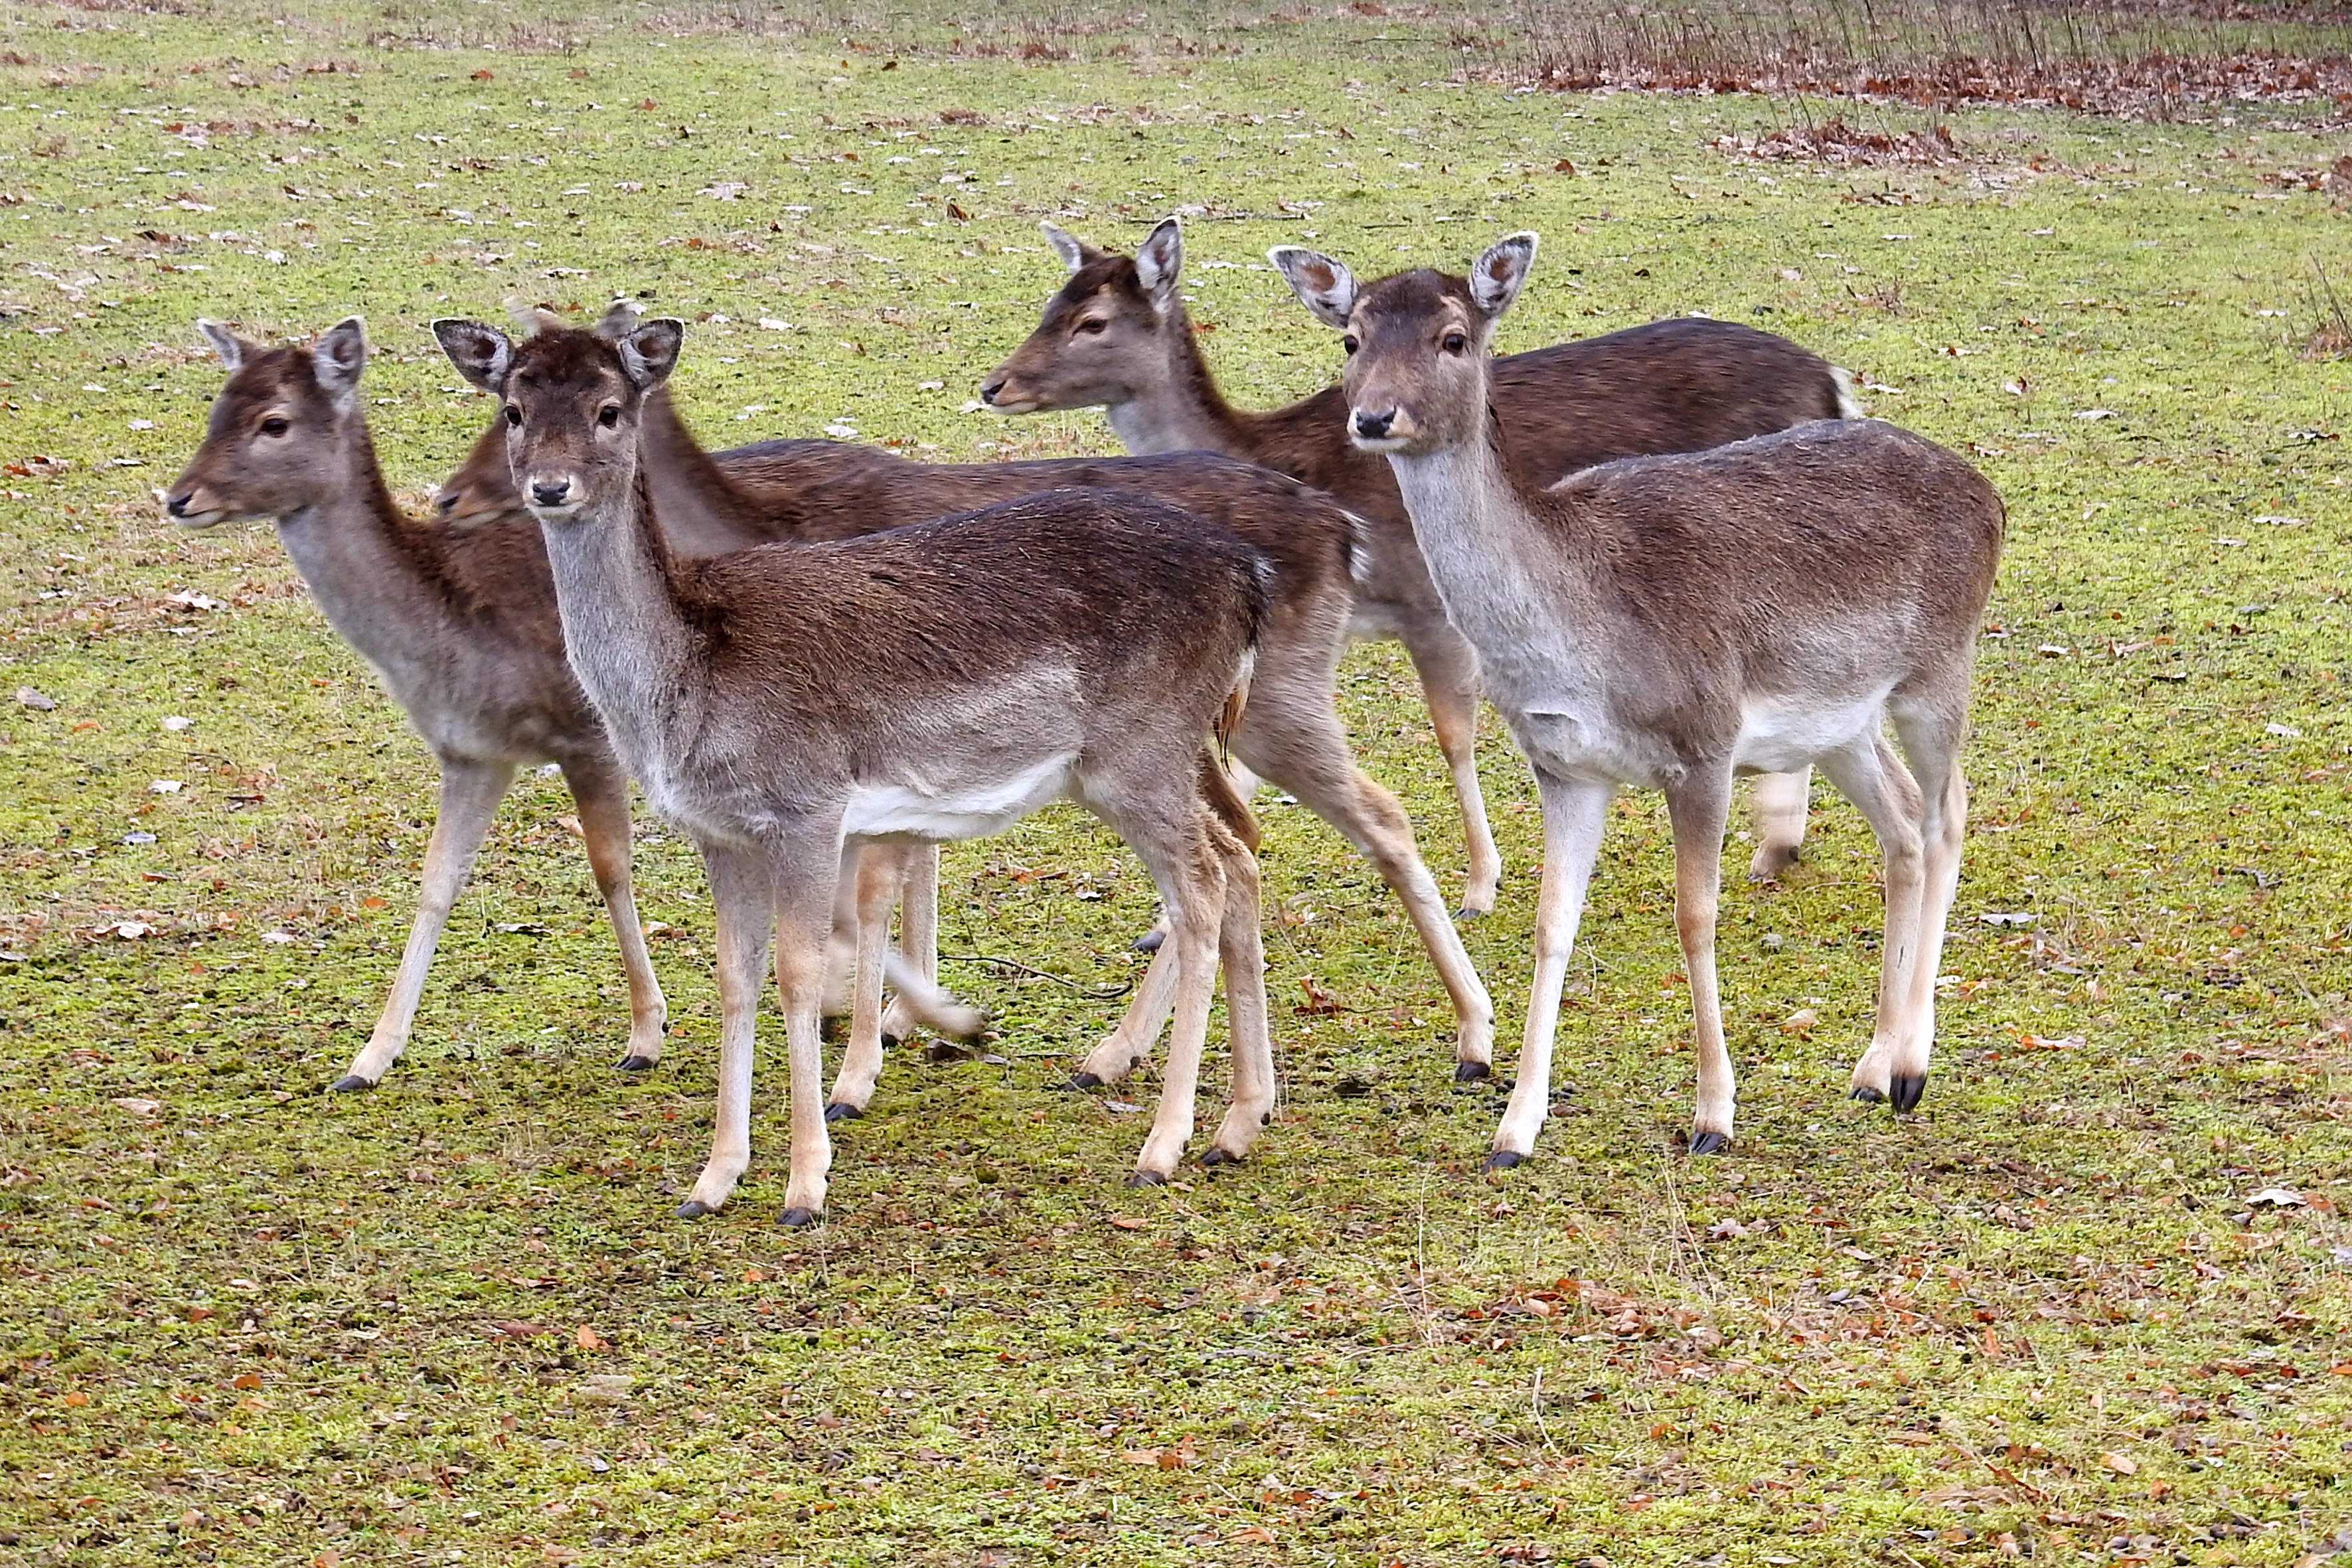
(1449, 685)
(1698, 809)
(1780, 802)
(741, 903)
(470, 793)
(1575, 811)
(1129, 1045)
(601, 793)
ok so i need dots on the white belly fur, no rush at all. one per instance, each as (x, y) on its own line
(967, 809)
(1781, 737)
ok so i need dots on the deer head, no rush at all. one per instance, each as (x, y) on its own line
(570, 400)
(1417, 342)
(1102, 333)
(277, 429)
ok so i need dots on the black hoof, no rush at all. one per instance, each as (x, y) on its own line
(837, 1111)
(690, 1209)
(1216, 1156)
(1146, 1179)
(1467, 913)
(1504, 1159)
(350, 1083)
(1868, 1095)
(1472, 1072)
(1083, 1080)
(1710, 1143)
(635, 1064)
(799, 1219)
(1148, 941)
(1907, 1087)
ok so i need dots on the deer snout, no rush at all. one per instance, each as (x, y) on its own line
(193, 506)
(1374, 424)
(550, 492)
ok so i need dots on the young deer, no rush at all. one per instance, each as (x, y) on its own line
(1117, 336)
(1074, 644)
(1669, 621)
(1289, 731)
(460, 628)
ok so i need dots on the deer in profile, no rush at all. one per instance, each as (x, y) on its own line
(460, 627)
(1074, 644)
(1288, 733)
(1667, 622)
(1117, 336)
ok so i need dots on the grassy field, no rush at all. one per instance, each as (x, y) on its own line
(451, 1321)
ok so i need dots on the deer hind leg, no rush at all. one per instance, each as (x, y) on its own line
(743, 913)
(1241, 953)
(1932, 742)
(1869, 774)
(800, 888)
(1298, 745)
(1449, 685)
(1698, 809)
(880, 873)
(914, 963)
(602, 793)
(1780, 802)
(1575, 811)
(470, 793)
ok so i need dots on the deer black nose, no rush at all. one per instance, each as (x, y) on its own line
(446, 502)
(178, 505)
(989, 389)
(1373, 425)
(549, 492)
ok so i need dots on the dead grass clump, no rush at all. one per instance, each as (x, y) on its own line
(2332, 337)
(1835, 142)
(2102, 57)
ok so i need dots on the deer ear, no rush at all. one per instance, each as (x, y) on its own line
(338, 359)
(481, 354)
(619, 320)
(1068, 246)
(650, 351)
(1159, 259)
(1324, 285)
(1497, 275)
(232, 349)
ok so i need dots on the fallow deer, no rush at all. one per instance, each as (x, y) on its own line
(1665, 622)
(460, 628)
(1075, 644)
(1289, 731)
(1117, 336)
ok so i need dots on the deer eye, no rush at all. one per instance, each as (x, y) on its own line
(1093, 325)
(1349, 343)
(274, 426)
(1454, 343)
(514, 414)
(609, 416)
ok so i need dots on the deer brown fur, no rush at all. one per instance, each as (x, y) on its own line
(1117, 335)
(1078, 643)
(1289, 731)
(1668, 621)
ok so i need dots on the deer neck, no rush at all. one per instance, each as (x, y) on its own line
(702, 512)
(1182, 409)
(1509, 579)
(372, 569)
(627, 633)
